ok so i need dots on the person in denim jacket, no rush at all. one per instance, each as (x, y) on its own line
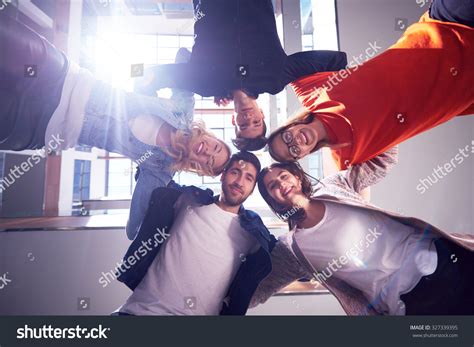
(196, 253)
(47, 99)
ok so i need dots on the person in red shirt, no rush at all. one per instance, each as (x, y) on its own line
(422, 81)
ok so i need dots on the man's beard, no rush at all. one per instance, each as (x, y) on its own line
(231, 200)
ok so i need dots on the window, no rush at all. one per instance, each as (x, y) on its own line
(113, 54)
(82, 177)
(120, 177)
(318, 31)
(86, 149)
(315, 165)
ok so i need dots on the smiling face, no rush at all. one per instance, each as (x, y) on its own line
(250, 122)
(238, 182)
(208, 153)
(294, 142)
(283, 187)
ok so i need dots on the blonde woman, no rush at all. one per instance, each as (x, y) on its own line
(48, 100)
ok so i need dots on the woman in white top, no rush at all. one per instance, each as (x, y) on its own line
(390, 264)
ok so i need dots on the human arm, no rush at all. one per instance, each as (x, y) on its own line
(307, 63)
(285, 270)
(363, 175)
(146, 183)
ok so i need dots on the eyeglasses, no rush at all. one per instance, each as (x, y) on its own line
(287, 137)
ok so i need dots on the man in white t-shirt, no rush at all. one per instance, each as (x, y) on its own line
(202, 248)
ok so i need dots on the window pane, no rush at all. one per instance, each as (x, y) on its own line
(168, 41)
(167, 54)
(213, 120)
(81, 185)
(186, 41)
(229, 134)
(121, 173)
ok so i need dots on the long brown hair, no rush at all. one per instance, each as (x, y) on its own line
(308, 187)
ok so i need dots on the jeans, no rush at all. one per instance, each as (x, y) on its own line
(32, 73)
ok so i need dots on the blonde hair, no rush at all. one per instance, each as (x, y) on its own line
(180, 149)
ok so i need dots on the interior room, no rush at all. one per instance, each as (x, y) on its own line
(63, 219)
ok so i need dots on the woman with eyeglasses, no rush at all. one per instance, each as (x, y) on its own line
(374, 261)
(422, 81)
(49, 101)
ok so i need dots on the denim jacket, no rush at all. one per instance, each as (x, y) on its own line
(105, 126)
(161, 214)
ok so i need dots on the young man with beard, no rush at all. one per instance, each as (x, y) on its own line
(211, 255)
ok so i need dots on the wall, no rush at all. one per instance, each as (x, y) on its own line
(24, 197)
(50, 271)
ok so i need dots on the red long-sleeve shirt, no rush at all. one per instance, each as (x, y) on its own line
(423, 80)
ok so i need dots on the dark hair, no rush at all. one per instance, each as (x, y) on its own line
(244, 156)
(251, 144)
(307, 187)
(304, 120)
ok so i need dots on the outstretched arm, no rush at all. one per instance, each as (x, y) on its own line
(164, 76)
(366, 174)
(285, 270)
(146, 183)
(307, 63)
(179, 75)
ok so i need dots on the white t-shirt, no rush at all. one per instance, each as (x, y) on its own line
(370, 251)
(196, 265)
(66, 121)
